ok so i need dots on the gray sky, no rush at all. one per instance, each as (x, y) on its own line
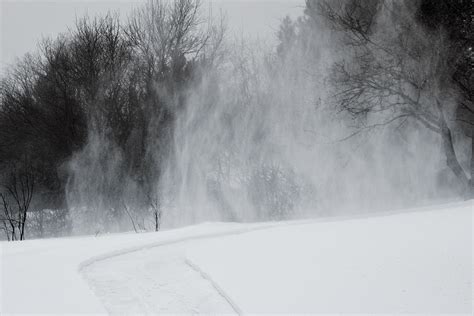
(24, 23)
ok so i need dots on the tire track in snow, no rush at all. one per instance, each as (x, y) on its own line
(160, 243)
(214, 284)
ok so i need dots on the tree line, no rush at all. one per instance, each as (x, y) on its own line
(123, 81)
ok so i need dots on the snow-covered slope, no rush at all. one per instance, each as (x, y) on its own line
(418, 262)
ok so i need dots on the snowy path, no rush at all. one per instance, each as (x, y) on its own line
(154, 281)
(45, 273)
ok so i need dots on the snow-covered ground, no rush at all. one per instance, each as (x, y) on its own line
(412, 262)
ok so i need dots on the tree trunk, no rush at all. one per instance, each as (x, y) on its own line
(41, 219)
(156, 221)
(452, 160)
(22, 228)
(472, 166)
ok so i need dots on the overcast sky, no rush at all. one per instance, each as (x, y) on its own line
(23, 23)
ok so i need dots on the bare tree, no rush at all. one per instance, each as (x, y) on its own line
(133, 220)
(164, 32)
(16, 202)
(399, 71)
(155, 207)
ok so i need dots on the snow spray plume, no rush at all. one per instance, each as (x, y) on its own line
(135, 91)
(259, 135)
(262, 139)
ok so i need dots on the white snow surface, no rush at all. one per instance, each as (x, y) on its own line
(415, 261)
